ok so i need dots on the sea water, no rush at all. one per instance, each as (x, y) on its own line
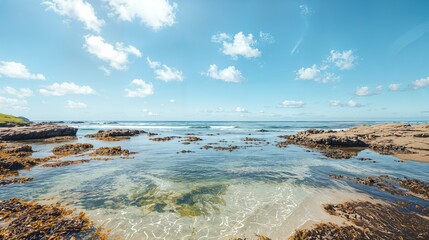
(159, 193)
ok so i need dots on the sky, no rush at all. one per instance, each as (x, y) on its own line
(215, 60)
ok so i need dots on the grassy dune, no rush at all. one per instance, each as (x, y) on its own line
(9, 119)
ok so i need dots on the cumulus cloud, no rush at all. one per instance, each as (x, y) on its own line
(19, 93)
(424, 82)
(172, 101)
(77, 9)
(335, 103)
(75, 105)
(116, 56)
(241, 45)
(363, 91)
(394, 87)
(229, 74)
(141, 89)
(164, 72)
(317, 74)
(155, 14)
(292, 104)
(240, 110)
(344, 60)
(350, 104)
(13, 104)
(61, 89)
(18, 70)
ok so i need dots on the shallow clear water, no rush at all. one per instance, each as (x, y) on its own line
(206, 194)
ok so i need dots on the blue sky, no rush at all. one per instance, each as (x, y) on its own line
(214, 60)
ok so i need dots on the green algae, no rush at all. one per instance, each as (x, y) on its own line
(199, 201)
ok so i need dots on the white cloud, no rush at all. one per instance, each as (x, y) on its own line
(14, 104)
(229, 74)
(420, 83)
(76, 105)
(18, 70)
(218, 38)
(20, 93)
(116, 56)
(304, 9)
(266, 37)
(164, 72)
(363, 91)
(172, 101)
(77, 9)
(394, 87)
(378, 89)
(142, 89)
(310, 73)
(292, 104)
(317, 74)
(335, 103)
(153, 13)
(344, 60)
(241, 45)
(240, 110)
(61, 89)
(105, 70)
(350, 104)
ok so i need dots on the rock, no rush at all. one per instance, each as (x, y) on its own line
(70, 149)
(19, 150)
(262, 130)
(229, 148)
(115, 134)
(59, 139)
(163, 139)
(8, 181)
(396, 139)
(111, 151)
(35, 131)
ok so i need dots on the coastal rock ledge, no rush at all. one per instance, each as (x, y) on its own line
(35, 131)
(405, 141)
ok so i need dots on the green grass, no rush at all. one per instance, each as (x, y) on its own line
(9, 119)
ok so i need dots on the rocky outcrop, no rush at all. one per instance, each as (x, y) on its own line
(111, 151)
(35, 131)
(70, 149)
(405, 141)
(115, 134)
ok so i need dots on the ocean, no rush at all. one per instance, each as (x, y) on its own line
(161, 193)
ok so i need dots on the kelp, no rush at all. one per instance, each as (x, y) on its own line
(28, 220)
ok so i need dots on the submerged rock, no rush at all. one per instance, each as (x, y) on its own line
(164, 139)
(395, 186)
(14, 180)
(35, 131)
(201, 200)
